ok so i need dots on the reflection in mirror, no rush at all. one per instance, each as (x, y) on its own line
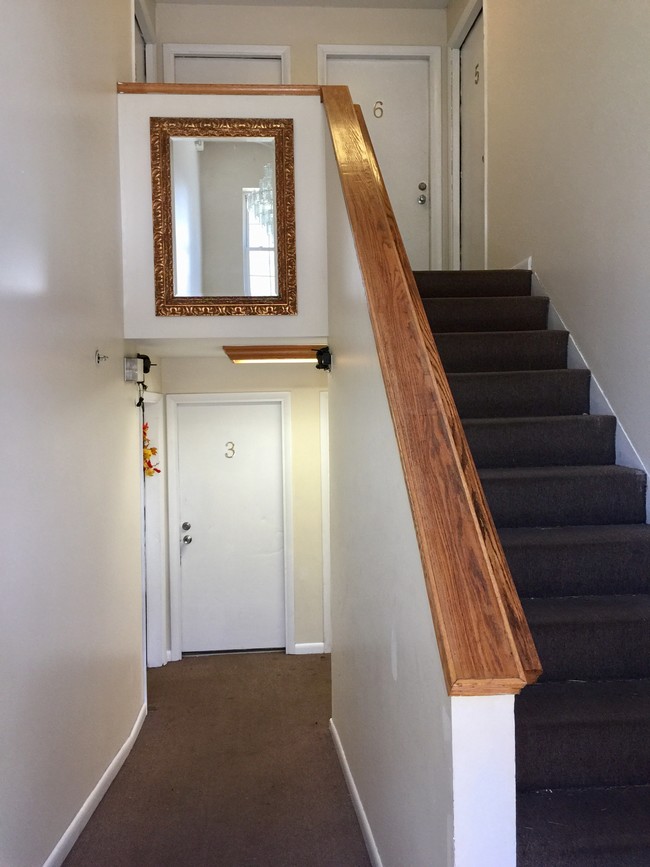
(224, 216)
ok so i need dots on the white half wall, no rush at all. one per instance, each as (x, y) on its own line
(140, 320)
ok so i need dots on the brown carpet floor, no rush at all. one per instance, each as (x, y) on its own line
(234, 767)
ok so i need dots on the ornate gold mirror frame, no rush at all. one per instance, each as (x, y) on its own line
(280, 130)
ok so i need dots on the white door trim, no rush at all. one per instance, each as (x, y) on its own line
(172, 50)
(155, 539)
(458, 36)
(175, 599)
(433, 55)
(148, 28)
(325, 519)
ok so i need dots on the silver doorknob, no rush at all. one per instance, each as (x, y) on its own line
(186, 525)
(187, 540)
(422, 200)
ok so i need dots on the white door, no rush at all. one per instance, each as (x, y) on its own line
(472, 150)
(398, 94)
(231, 524)
(225, 64)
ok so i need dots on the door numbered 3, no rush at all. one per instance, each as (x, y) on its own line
(230, 449)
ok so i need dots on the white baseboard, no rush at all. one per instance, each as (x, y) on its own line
(366, 830)
(316, 647)
(65, 844)
(626, 453)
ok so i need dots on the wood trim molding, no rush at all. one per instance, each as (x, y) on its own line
(484, 640)
(221, 89)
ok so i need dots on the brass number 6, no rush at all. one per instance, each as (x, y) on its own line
(378, 110)
(230, 450)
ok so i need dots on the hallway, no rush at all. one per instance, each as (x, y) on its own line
(234, 767)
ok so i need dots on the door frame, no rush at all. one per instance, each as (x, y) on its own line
(433, 56)
(147, 26)
(172, 50)
(464, 24)
(174, 401)
(154, 548)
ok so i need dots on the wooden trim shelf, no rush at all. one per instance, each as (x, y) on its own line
(484, 639)
(221, 89)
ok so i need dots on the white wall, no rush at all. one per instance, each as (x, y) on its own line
(305, 384)
(568, 181)
(300, 27)
(140, 320)
(70, 620)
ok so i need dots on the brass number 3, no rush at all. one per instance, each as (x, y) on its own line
(230, 450)
(378, 110)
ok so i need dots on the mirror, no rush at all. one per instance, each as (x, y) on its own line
(223, 216)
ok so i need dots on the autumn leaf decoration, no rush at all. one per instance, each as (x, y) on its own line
(148, 452)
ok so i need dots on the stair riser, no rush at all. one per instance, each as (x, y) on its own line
(486, 314)
(517, 350)
(580, 570)
(591, 754)
(593, 651)
(509, 395)
(566, 501)
(583, 441)
(473, 284)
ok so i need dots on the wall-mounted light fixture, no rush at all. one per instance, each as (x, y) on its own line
(276, 354)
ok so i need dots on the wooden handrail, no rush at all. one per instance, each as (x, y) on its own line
(221, 89)
(484, 640)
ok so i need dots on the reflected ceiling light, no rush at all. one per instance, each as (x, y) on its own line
(274, 354)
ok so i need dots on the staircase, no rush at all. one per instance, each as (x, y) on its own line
(572, 525)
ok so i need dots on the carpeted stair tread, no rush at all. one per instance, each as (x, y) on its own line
(546, 441)
(487, 314)
(471, 351)
(583, 734)
(582, 560)
(446, 284)
(508, 394)
(601, 827)
(557, 496)
(591, 637)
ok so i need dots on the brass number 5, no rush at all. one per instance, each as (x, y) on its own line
(230, 450)
(378, 110)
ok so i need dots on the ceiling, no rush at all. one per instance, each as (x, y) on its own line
(368, 4)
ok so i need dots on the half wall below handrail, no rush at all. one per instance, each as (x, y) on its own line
(485, 643)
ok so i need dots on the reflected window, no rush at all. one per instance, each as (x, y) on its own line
(259, 248)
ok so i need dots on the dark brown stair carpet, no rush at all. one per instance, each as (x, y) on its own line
(541, 442)
(573, 529)
(467, 351)
(486, 314)
(571, 735)
(591, 637)
(584, 828)
(234, 767)
(459, 284)
(555, 496)
(575, 561)
(507, 394)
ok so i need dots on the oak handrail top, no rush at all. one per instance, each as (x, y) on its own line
(221, 89)
(484, 639)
